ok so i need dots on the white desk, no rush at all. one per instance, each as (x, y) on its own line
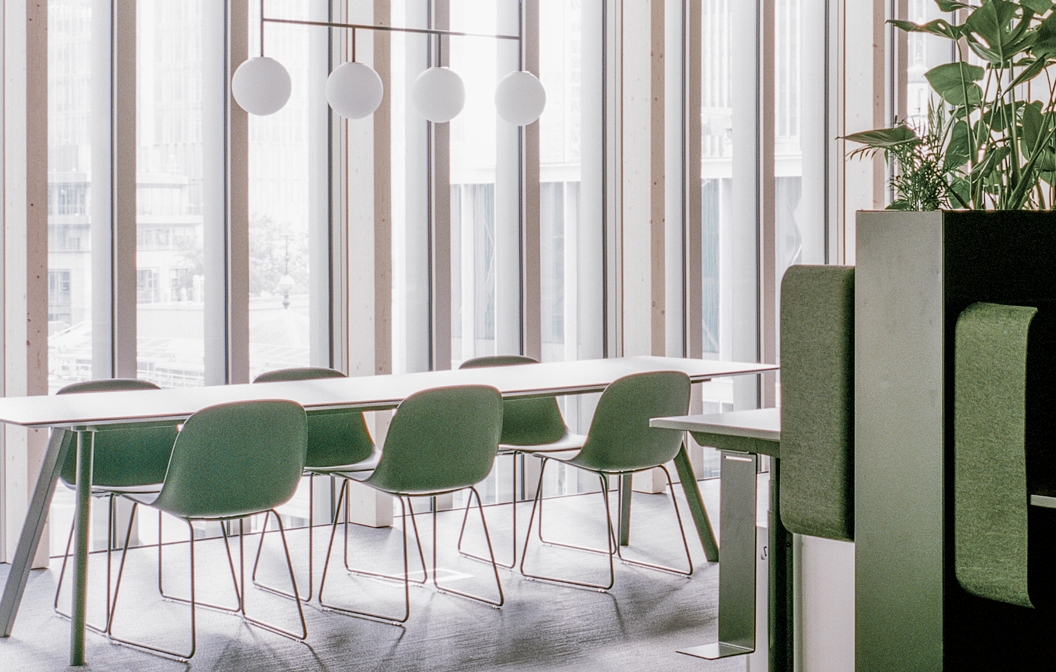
(80, 414)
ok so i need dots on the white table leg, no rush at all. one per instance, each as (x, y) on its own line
(33, 528)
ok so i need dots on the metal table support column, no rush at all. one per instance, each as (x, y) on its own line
(737, 570)
(780, 579)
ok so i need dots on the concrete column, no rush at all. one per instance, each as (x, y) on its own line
(25, 250)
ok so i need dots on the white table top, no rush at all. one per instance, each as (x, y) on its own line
(365, 393)
(763, 423)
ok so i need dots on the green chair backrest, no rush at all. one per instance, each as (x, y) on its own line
(525, 422)
(620, 438)
(441, 439)
(817, 401)
(235, 459)
(123, 456)
(334, 437)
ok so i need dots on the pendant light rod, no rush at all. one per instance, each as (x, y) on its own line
(390, 29)
(262, 28)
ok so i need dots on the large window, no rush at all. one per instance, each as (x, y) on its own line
(70, 172)
(281, 201)
(728, 228)
(169, 192)
(475, 143)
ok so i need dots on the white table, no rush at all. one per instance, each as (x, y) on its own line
(79, 414)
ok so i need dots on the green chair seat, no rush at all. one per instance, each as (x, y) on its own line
(338, 442)
(124, 460)
(620, 441)
(439, 441)
(528, 426)
(229, 461)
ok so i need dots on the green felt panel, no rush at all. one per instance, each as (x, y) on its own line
(990, 465)
(817, 401)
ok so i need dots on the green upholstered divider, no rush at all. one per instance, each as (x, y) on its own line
(991, 498)
(817, 401)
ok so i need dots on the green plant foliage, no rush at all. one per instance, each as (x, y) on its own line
(984, 146)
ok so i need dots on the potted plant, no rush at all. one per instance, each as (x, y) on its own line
(989, 141)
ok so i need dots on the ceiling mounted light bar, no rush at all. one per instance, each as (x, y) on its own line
(262, 85)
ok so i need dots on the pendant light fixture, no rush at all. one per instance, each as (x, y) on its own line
(262, 86)
(520, 98)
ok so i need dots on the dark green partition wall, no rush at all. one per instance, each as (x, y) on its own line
(916, 273)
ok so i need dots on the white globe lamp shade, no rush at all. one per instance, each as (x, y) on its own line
(354, 90)
(261, 86)
(438, 94)
(520, 98)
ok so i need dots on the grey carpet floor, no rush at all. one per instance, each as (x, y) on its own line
(638, 625)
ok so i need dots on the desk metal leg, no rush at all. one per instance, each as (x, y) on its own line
(85, 449)
(737, 571)
(625, 508)
(780, 569)
(696, 505)
(33, 528)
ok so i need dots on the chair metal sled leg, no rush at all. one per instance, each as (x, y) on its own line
(513, 533)
(399, 621)
(293, 582)
(180, 656)
(264, 530)
(611, 537)
(101, 629)
(207, 605)
(380, 575)
(491, 552)
(685, 544)
(562, 544)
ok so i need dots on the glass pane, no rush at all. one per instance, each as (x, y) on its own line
(561, 72)
(788, 154)
(717, 157)
(474, 151)
(279, 174)
(169, 251)
(69, 192)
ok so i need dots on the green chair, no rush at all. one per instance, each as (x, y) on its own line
(440, 441)
(229, 461)
(125, 460)
(620, 442)
(338, 441)
(528, 426)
